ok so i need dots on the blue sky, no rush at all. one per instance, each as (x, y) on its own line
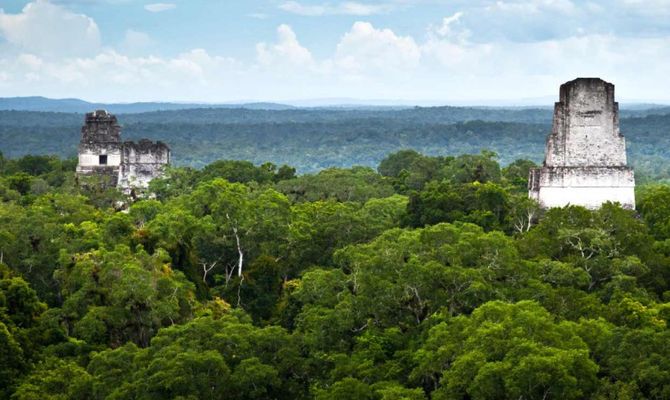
(421, 51)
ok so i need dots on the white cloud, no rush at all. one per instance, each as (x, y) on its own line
(160, 7)
(287, 50)
(648, 6)
(446, 28)
(368, 49)
(345, 8)
(116, 76)
(451, 28)
(528, 69)
(353, 8)
(489, 21)
(297, 8)
(475, 53)
(50, 30)
(31, 61)
(534, 6)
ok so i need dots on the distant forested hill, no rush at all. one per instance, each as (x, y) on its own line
(313, 139)
(36, 103)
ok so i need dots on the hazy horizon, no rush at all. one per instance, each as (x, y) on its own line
(540, 102)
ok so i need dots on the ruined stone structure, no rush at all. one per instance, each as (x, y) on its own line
(585, 159)
(127, 165)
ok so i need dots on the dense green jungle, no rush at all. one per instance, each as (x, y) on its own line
(429, 277)
(314, 139)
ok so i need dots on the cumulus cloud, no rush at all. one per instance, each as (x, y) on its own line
(286, 51)
(122, 77)
(501, 49)
(52, 51)
(542, 20)
(160, 7)
(451, 28)
(652, 7)
(446, 28)
(368, 49)
(528, 69)
(345, 8)
(48, 29)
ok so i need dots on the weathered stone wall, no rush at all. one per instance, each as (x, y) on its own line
(142, 162)
(585, 186)
(589, 197)
(91, 157)
(586, 176)
(100, 136)
(99, 176)
(585, 160)
(128, 165)
(586, 126)
(100, 127)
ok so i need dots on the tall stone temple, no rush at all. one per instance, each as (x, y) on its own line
(585, 158)
(129, 166)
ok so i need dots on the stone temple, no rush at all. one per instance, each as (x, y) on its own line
(127, 165)
(585, 159)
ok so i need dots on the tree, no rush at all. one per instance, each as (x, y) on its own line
(20, 307)
(653, 202)
(484, 204)
(394, 163)
(116, 296)
(238, 226)
(12, 361)
(411, 170)
(207, 357)
(404, 276)
(356, 184)
(177, 181)
(604, 243)
(55, 379)
(238, 171)
(506, 351)
(517, 172)
(524, 213)
(348, 388)
(469, 168)
(187, 374)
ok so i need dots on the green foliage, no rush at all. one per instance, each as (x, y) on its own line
(245, 172)
(12, 362)
(357, 184)
(607, 244)
(653, 202)
(115, 296)
(436, 278)
(487, 204)
(175, 182)
(20, 312)
(55, 379)
(206, 358)
(516, 173)
(395, 163)
(506, 351)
